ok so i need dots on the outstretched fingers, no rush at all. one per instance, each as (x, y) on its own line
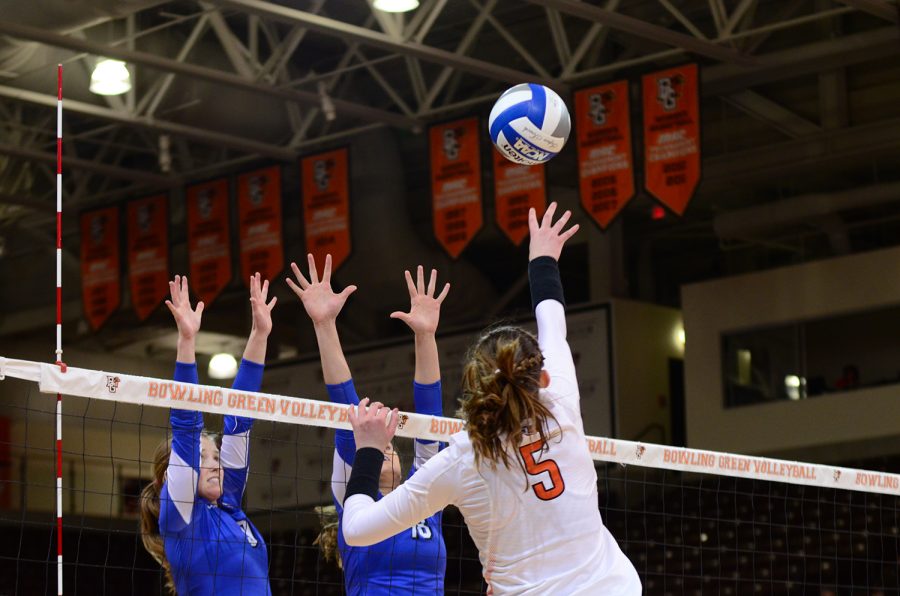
(326, 273)
(420, 280)
(568, 233)
(532, 221)
(443, 294)
(548, 215)
(301, 280)
(410, 284)
(313, 274)
(561, 222)
(432, 282)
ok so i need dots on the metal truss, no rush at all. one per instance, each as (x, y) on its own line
(337, 69)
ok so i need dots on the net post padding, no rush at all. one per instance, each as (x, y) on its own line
(147, 391)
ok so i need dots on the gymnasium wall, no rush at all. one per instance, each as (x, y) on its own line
(843, 423)
(644, 338)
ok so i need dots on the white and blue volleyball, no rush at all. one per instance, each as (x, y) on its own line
(529, 124)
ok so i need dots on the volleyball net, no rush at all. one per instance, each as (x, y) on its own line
(691, 521)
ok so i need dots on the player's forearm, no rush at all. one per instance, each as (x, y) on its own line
(544, 281)
(255, 351)
(334, 366)
(428, 369)
(364, 522)
(186, 350)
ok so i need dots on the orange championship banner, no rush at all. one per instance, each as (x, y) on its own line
(326, 205)
(605, 168)
(455, 183)
(208, 238)
(100, 283)
(516, 189)
(148, 253)
(672, 135)
(259, 223)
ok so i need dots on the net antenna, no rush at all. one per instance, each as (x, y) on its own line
(59, 351)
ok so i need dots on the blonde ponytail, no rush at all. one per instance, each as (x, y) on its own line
(327, 540)
(150, 536)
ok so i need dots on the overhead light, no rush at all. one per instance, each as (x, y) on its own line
(110, 77)
(222, 366)
(396, 5)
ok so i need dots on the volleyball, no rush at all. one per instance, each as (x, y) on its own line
(529, 124)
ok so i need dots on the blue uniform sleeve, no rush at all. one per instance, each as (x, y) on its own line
(429, 401)
(180, 488)
(235, 452)
(344, 443)
(344, 393)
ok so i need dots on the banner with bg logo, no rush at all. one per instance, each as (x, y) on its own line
(209, 238)
(672, 135)
(455, 183)
(259, 223)
(603, 133)
(326, 205)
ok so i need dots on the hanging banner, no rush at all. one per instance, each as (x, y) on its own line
(605, 168)
(517, 188)
(148, 253)
(455, 183)
(209, 240)
(672, 135)
(100, 264)
(326, 205)
(259, 223)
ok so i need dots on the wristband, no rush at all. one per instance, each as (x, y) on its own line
(365, 473)
(544, 280)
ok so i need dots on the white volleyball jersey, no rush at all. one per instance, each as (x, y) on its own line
(536, 533)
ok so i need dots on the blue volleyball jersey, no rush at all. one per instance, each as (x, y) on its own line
(413, 561)
(212, 548)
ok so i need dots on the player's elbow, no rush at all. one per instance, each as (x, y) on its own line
(353, 537)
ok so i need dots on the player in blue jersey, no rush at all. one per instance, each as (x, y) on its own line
(191, 517)
(414, 560)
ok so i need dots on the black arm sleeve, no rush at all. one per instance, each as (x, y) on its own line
(543, 277)
(365, 473)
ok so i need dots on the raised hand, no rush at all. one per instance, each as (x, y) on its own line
(320, 301)
(371, 428)
(424, 308)
(262, 310)
(187, 318)
(547, 238)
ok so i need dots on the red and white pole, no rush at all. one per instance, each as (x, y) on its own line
(59, 352)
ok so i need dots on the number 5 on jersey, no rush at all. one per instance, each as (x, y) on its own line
(557, 484)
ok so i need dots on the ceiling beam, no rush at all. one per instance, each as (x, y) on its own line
(197, 134)
(802, 60)
(840, 147)
(343, 107)
(647, 30)
(878, 8)
(90, 166)
(773, 114)
(376, 39)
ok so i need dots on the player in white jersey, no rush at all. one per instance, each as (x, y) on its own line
(520, 473)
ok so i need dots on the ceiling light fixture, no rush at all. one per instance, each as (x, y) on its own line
(396, 5)
(222, 366)
(110, 77)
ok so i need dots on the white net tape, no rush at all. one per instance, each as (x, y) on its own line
(294, 410)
